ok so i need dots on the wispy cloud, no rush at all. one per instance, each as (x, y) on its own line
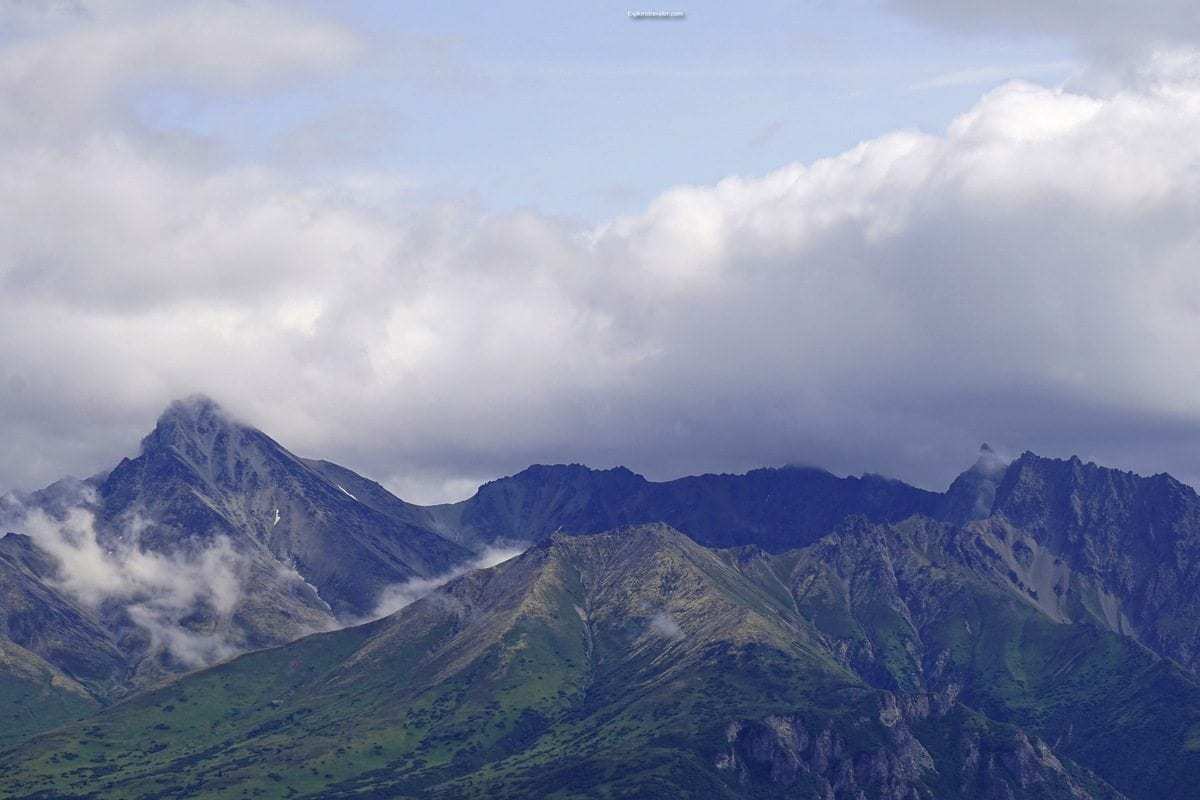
(158, 591)
(977, 76)
(398, 595)
(1108, 28)
(663, 624)
(767, 133)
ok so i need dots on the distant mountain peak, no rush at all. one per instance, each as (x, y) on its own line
(973, 493)
(192, 410)
(191, 425)
(196, 437)
(989, 461)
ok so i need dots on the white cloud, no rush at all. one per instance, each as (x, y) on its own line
(664, 625)
(77, 68)
(159, 591)
(976, 76)
(399, 595)
(1026, 278)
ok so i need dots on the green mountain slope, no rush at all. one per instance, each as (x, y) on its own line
(628, 664)
(920, 606)
(35, 696)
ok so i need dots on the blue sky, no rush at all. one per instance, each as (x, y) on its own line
(581, 111)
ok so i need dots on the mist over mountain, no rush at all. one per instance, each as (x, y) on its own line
(214, 540)
(785, 630)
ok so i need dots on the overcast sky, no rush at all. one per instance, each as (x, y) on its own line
(440, 242)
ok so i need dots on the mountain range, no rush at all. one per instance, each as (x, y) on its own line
(1032, 632)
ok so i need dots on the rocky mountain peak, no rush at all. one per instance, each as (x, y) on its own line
(989, 460)
(973, 493)
(202, 437)
(1105, 517)
(194, 419)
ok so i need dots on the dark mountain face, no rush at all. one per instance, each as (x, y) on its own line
(1103, 513)
(776, 509)
(201, 475)
(923, 606)
(46, 640)
(49, 623)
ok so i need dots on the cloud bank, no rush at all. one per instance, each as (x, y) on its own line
(1026, 277)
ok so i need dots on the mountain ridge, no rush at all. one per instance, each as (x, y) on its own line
(991, 621)
(203, 477)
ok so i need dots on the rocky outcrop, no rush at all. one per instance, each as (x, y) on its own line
(973, 493)
(887, 760)
(782, 751)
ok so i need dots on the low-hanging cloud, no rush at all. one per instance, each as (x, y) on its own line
(1025, 277)
(664, 625)
(158, 591)
(399, 595)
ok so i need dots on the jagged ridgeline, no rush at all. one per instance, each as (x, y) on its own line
(1030, 633)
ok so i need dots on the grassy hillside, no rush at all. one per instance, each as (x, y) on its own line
(34, 696)
(631, 664)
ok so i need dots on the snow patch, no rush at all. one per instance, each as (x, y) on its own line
(343, 488)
